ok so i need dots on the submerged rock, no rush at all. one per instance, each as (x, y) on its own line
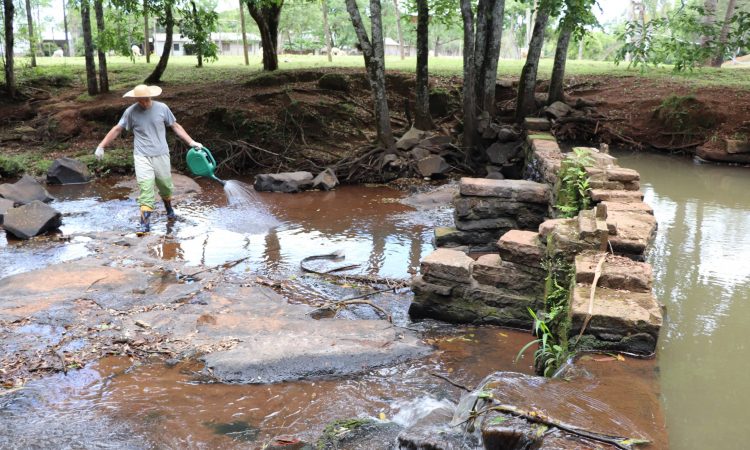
(358, 434)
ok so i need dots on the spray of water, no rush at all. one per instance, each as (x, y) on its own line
(246, 212)
(410, 411)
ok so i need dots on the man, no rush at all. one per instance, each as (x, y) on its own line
(148, 120)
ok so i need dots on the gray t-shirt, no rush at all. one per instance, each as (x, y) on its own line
(149, 128)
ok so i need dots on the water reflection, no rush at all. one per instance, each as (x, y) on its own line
(702, 276)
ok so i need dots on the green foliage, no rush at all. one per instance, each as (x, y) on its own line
(116, 160)
(120, 32)
(682, 38)
(550, 354)
(196, 24)
(12, 165)
(573, 195)
(336, 430)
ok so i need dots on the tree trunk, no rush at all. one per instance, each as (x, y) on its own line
(9, 11)
(88, 44)
(266, 16)
(480, 45)
(525, 103)
(155, 76)
(437, 45)
(580, 49)
(470, 137)
(422, 118)
(146, 46)
(709, 18)
(244, 36)
(398, 28)
(32, 39)
(373, 53)
(719, 58)
(103, 75)
(327, 30)
(558, 69)
(65, 22)
(488, 75)
(199, 52)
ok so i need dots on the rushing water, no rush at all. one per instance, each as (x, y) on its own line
(701, 261)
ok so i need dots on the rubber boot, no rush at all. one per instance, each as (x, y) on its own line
(145, 225)
(170, 211)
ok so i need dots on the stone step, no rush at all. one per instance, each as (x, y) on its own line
(620, 320)
(491, 270)
(478, 240)
(513, 190)
(474, 208)
(446, 265)
(602, 195)
(628, 206)
(522, 247)
(536, 124)
(634, 231)
(617, 272)
(546, 159)
(615, 185)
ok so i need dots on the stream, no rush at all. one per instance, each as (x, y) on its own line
(119, 403)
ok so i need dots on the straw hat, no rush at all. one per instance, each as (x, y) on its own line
(143, 91)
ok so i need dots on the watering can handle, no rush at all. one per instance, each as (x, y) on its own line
(208, 155)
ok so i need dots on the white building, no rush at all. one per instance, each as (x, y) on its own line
(391, 48)
(228, 43)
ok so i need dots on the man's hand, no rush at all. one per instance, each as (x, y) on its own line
(196, 144)
(99, 153)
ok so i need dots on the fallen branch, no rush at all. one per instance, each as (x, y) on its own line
(590, 312)
(444, 378)
(620, 442)
(337, 306)
(226, 265)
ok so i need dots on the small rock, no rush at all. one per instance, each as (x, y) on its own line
(410, 139)
(536, 124)
(557, 110)
(507, 134)
(500, 154)
(418, 153)
(24, 191)
(432, 166)
(325, 180)
(483, 121)
(283, 182)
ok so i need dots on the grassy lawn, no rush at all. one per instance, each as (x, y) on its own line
(124, 73)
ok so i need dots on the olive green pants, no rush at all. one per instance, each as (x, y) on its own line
(150, 172)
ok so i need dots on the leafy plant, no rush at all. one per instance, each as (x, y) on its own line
(551, 353)
(573, 194)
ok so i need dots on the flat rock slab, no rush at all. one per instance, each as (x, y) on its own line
(473, 241)
(536, 124)
(5, 205)
(617, 272)
(546, 159)
(447, 265)
(440, 197)
(634, 231)
(627, 321)
(722, 155)
(250, 334)
(513, 190)
(31, 219)
(25, 190)
(622, 196)
(491, 270)
(522, 247)
(613, 206)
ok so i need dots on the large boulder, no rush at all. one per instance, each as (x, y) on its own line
(68, 171)
(283, 182)
(501, 153)
(411, 138)
(25, 190)
(31, 220)
(5, 205)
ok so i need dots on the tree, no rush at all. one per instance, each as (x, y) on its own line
(146, 45)
(719, 57)
(197, 24)
(709, 19)
(374, 55)
(68, 51)
(481, 54)
(244, 35)
(525, 102)
(326, 29)
(103, 75)
(9, 11)
(266, 14)
(577, 16)
(32, 39)
(422, 118)
(400, 31)
(88, 43)
(166, 20)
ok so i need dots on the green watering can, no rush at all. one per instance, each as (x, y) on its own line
(201, 162)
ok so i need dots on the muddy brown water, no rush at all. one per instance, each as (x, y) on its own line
(701, 260)
(120, 403)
